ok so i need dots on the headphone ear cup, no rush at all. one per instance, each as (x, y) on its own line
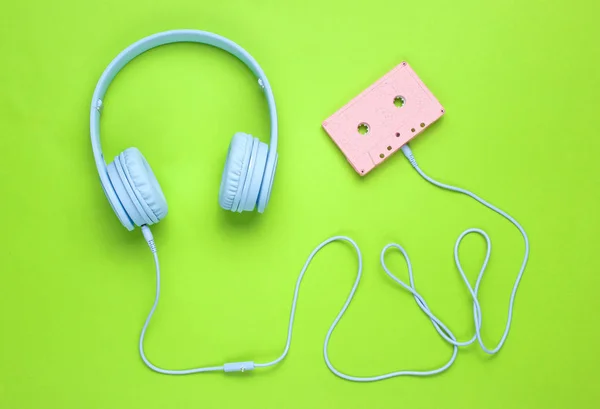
(144, 185)
(137, 188)
(126, 208)
(235, 171)
(254, 180)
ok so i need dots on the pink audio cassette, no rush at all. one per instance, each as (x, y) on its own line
(384, 117)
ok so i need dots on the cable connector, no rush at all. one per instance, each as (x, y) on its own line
(409, 155)
(238, 366)
(149, 238)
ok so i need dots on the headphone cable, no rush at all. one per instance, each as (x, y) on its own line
(438, 325)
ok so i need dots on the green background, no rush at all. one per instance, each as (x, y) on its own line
(519, 81)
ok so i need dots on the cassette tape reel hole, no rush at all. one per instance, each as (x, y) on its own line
(363, 128)
(399, 101)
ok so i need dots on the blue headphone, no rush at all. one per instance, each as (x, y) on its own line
(128, 181)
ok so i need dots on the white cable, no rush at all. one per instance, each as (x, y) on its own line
(439, 326)
(436, 322)
(476, 308)
(150, 240)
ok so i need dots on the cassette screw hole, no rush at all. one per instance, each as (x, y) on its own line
(413, 129)
(422, 124)
(381, 155)
(397, 134)
(389, 148)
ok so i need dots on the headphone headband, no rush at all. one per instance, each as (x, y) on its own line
(156, 40)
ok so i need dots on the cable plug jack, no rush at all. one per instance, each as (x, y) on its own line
(149, 237)
(409, 155)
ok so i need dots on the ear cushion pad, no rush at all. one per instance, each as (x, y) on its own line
(144, 184)
(254, 180)
(134, 195)
(125, 197)
(238, 206)
(235, 170)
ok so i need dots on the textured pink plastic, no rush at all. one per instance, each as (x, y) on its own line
(389, 126)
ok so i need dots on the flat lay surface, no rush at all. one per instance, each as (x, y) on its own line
(518, 83)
